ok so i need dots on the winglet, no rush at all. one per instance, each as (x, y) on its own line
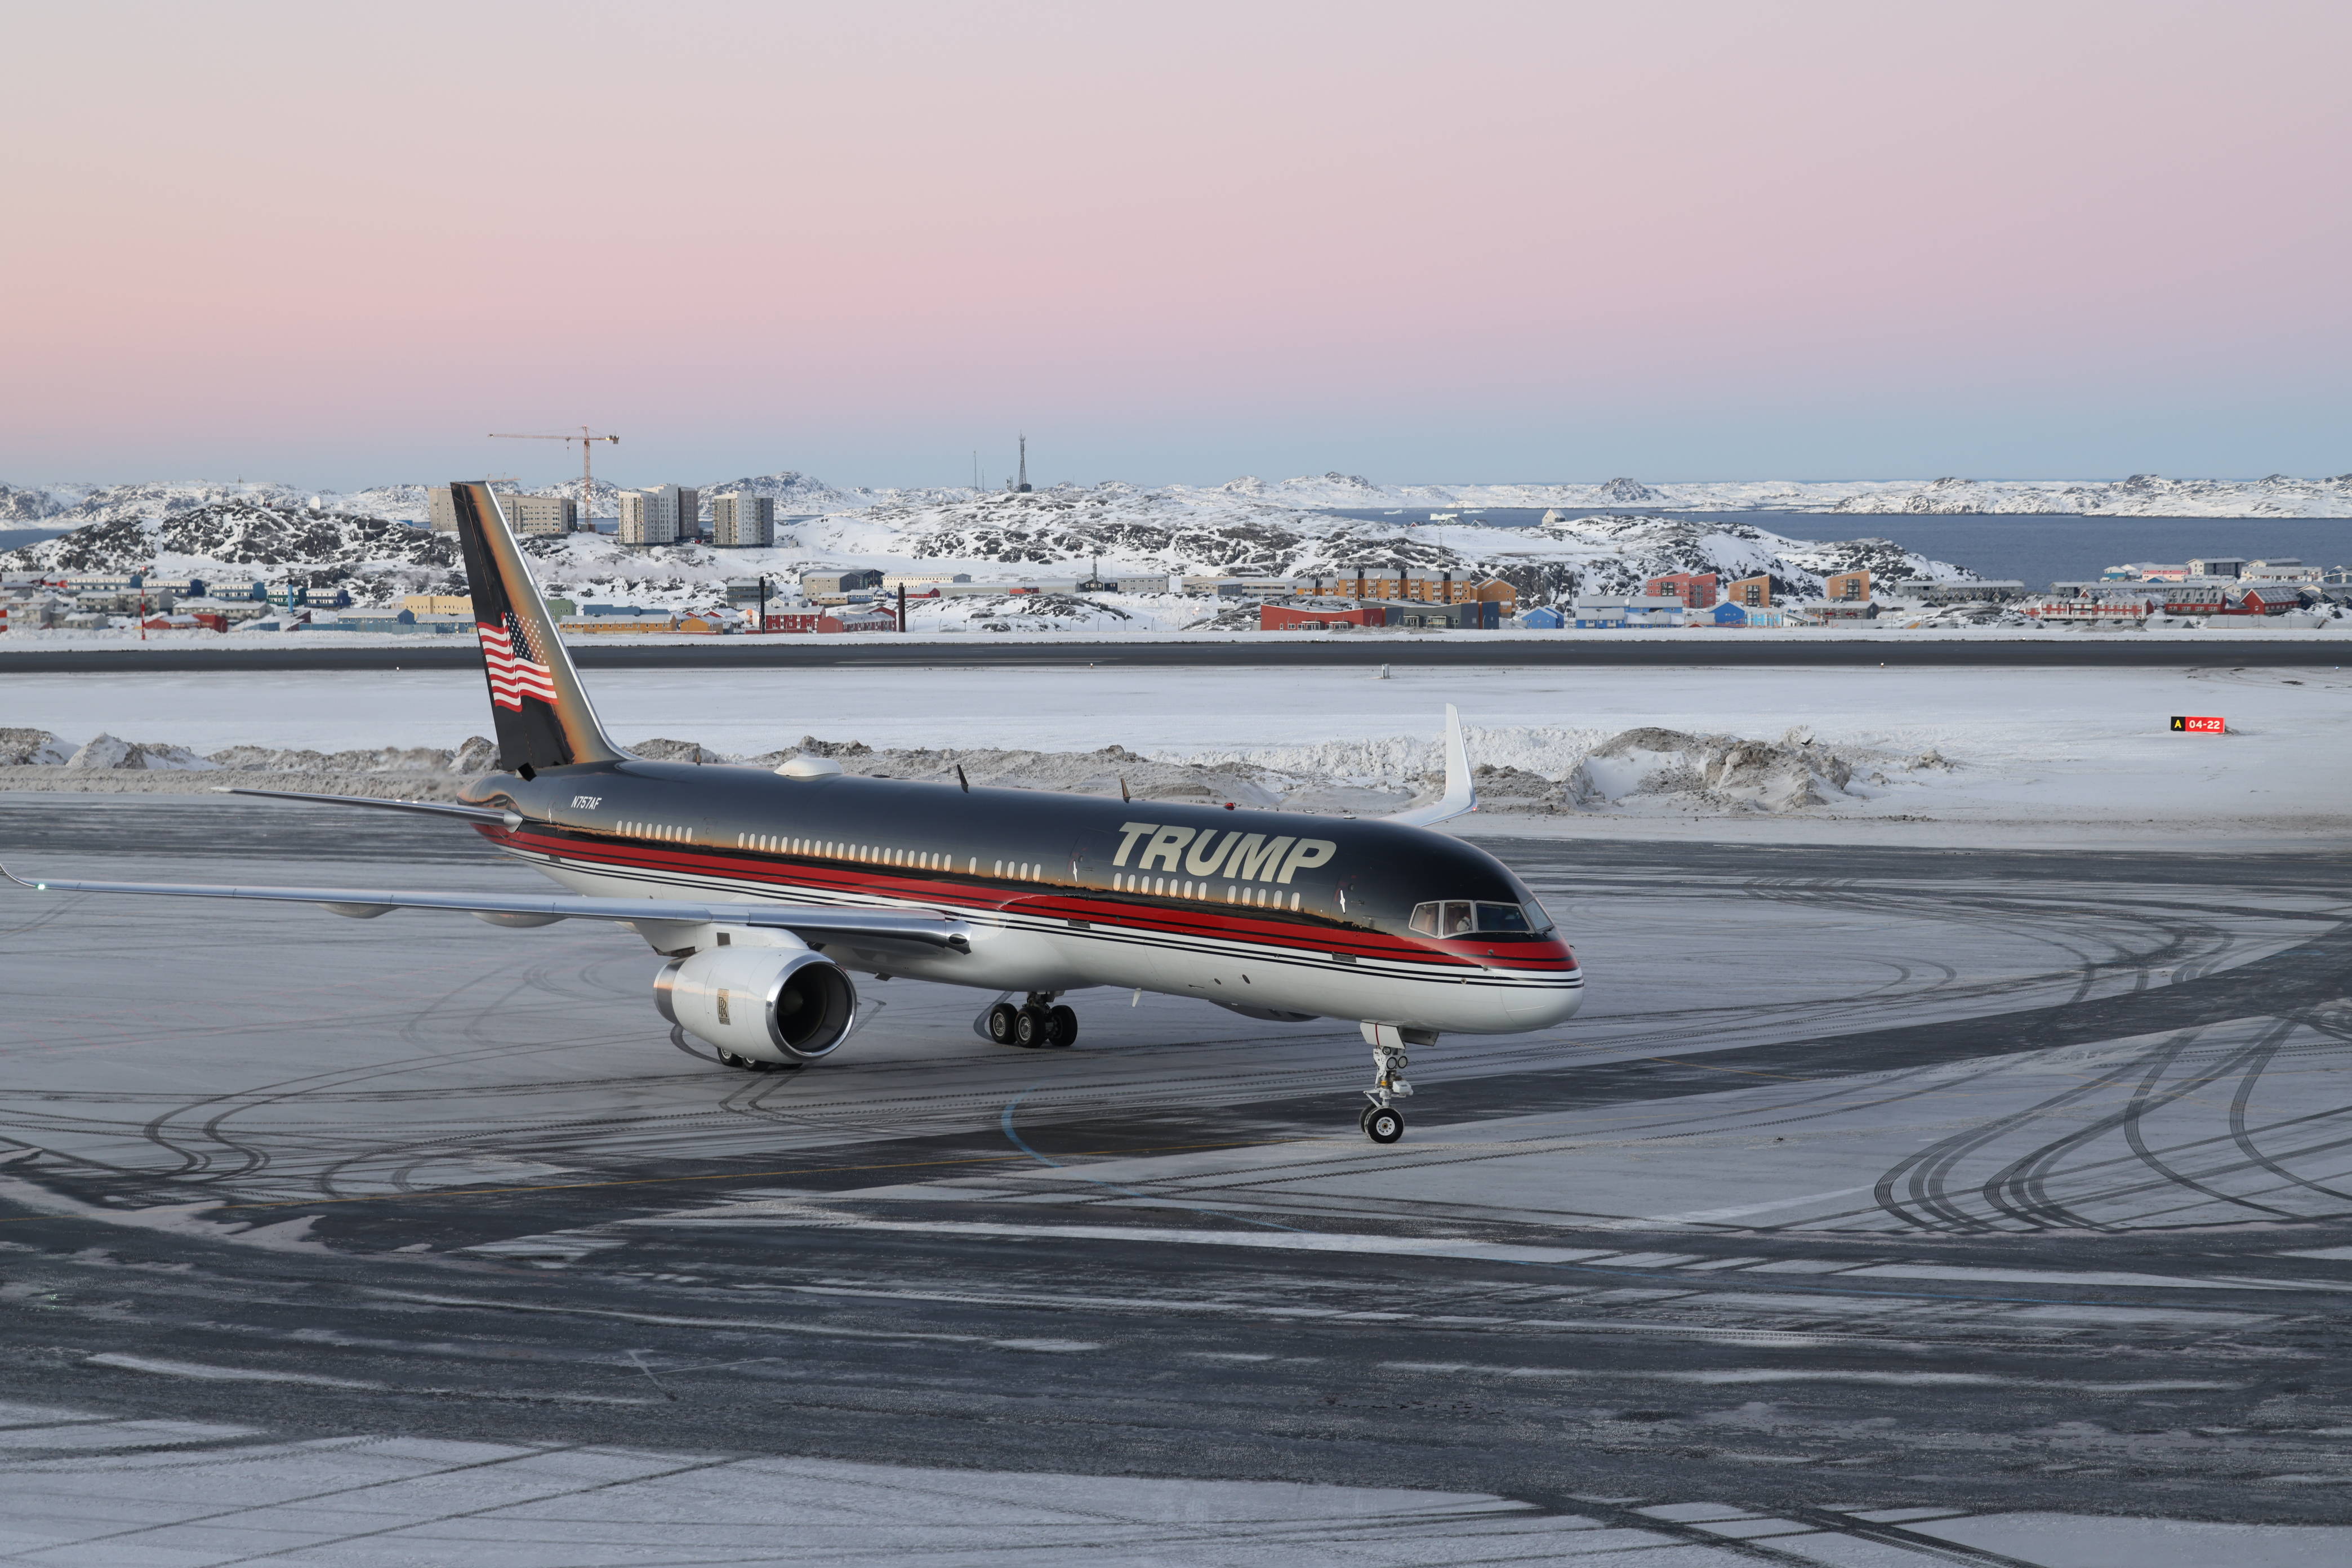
(1461, 796)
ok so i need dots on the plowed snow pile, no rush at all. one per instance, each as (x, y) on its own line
(1527, 770)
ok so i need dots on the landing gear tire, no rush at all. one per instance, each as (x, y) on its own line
(745, 1064)
(1004, 1021)
(1062, 1032)
(1032, 1027)
(1383, 1123)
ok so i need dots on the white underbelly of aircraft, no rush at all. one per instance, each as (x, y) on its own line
(1012, 952)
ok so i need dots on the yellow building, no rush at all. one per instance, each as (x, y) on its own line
(438, 604)
(617, 626)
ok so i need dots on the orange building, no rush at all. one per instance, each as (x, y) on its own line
(1847, 587)
(1443, 589)
(1755, 592)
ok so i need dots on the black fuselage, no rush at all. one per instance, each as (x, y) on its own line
(1019, 843)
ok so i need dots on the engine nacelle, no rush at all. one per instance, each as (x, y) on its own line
(770, 1003)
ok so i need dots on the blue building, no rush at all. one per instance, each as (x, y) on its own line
(1731, 615)
(1546, 619)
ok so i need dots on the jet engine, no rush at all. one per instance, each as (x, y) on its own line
(767, 1003)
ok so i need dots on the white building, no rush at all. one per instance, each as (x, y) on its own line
(1627, 610)
(739, 522)
(526, 514)
(660, 514)
(540, 514)
(2283, 569)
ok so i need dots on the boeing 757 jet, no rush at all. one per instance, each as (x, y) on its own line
(767, 891)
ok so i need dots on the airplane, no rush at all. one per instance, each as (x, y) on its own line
(766, 890)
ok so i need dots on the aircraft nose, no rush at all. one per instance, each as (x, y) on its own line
(1542, 1009)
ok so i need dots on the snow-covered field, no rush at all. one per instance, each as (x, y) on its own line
(1933, 755)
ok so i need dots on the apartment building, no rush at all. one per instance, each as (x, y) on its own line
(661, 514)
(526, 514)
(739, 521)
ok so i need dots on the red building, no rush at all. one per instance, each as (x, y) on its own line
(1291, 618)
(2219, 599)
(2269, 599)
(793, 620)
(1696, 591)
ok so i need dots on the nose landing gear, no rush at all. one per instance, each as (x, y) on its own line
(1383, 1122)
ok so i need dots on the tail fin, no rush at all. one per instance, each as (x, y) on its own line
(541, 712)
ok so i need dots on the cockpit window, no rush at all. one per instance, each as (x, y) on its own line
(1460, 917)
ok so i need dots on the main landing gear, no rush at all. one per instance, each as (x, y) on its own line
(1040, 1023)
(1383, 1122)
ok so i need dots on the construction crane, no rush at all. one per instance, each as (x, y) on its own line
(587, 441)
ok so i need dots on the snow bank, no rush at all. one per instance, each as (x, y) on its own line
(1527, 769)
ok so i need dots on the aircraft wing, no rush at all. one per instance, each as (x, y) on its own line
(1461, 796)
(424, 807)
(816, 924)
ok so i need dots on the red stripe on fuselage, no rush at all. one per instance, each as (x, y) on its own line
(904, 884)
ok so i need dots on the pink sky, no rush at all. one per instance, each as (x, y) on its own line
(338, 244)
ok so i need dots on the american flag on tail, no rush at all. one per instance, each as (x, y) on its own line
(515, 669)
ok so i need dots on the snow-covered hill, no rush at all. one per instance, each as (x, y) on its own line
(244, 539)
(800, 495)
(989, 535)
(2142, 495)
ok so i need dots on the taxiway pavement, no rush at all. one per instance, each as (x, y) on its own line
(1884, 1205)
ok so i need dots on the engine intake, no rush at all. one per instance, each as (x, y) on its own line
(772, 1005)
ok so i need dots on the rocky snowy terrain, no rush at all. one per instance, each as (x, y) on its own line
(2141, 495)
(1066, 531)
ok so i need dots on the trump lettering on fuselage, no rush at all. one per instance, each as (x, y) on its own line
(1207, 852)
